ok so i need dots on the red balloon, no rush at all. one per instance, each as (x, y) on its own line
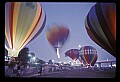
(72, 53)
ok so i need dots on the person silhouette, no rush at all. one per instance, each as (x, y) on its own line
(40, 70)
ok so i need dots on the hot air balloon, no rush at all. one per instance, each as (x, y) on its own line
(56, 36)
(88, 55)
(72, 53)
(24, 21)
(100, 24)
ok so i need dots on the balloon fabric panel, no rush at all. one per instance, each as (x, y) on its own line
(72, 53)
(21, 24)
(101, 26)
(57, 36)
(88, 55)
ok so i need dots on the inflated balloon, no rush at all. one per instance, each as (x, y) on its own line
(88, 55)
(23, 22)
(72, 53)
(57, 35)
(100, 24)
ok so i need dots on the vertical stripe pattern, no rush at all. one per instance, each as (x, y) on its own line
(23, 21)
(100, 24)
(88, 55)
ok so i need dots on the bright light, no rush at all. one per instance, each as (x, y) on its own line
(33, 58)
(65, 62)
(107, 59)
(36, 63)
(46, 63)
(13, 49)
(58, 53)
(6, 58)
(53, 61)
(29, 55)
(13, 52)
(109, 65)
(71, 63)
(79, 46)
(114, 65)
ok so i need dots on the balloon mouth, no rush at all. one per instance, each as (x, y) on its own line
(13, 52)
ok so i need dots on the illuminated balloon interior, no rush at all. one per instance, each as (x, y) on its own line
(23, 22)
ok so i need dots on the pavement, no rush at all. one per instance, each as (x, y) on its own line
(33, 75)
(76, 74)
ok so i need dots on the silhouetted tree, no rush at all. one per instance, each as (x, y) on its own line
(50, 62)
(23, 55)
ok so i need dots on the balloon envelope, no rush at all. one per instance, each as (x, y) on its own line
(72, 53)
(23, 22)
(57, 35)
(88, 55)
(100, 24)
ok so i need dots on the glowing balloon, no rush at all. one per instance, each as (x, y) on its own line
(23, 22)
(100, 24)
(88, 55)
(72, 53)
(57, 35)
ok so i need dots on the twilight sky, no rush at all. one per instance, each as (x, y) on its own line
(71, 14)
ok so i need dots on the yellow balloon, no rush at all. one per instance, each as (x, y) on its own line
(23, 22)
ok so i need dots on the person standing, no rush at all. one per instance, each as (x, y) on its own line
(41, 70)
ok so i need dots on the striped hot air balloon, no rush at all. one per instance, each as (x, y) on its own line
(100, 24)
(88, 55)
(56, 36)
(23, 22)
